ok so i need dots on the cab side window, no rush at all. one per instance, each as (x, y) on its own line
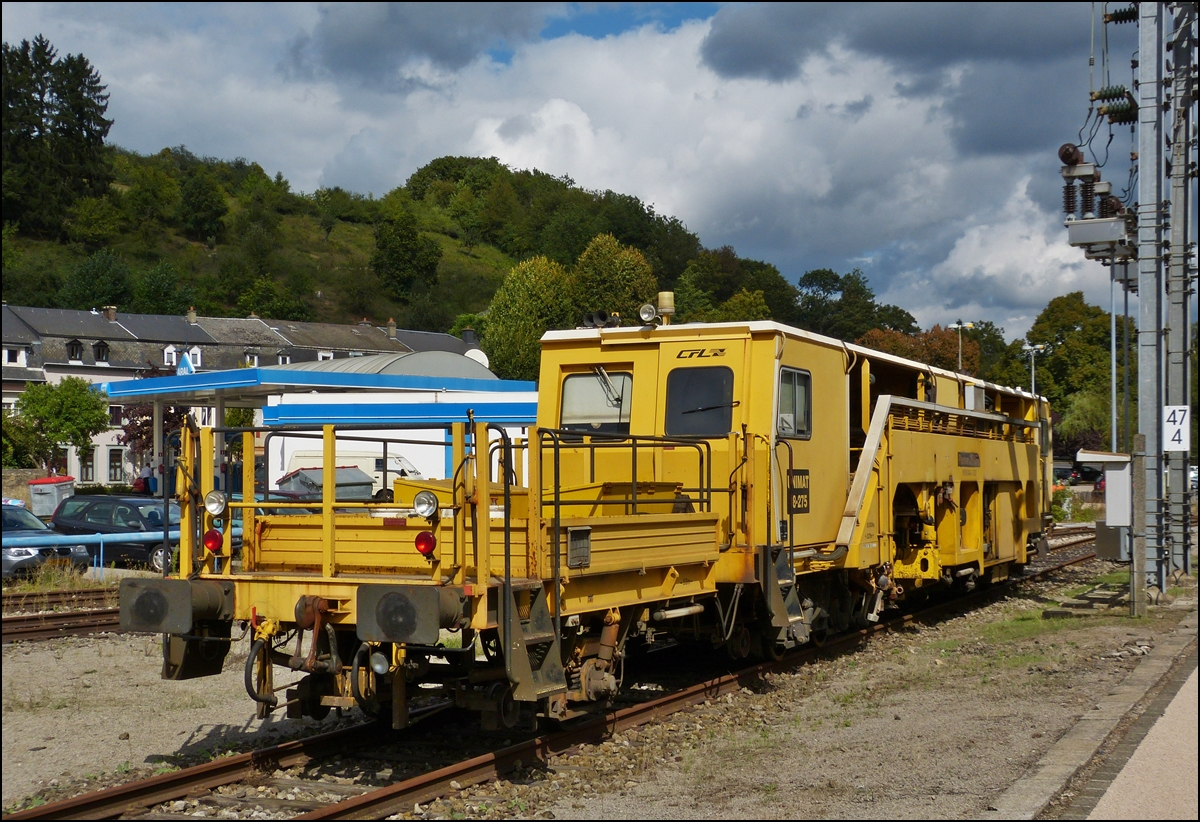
(795, 404)
(700, 402)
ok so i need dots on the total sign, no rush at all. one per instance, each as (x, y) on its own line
(1177, 428)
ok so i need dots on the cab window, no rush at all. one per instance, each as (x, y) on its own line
(795, 404)
(598, 402)
(700, 402)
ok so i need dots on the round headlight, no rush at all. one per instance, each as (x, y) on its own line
(214, 503)
(647, 313)
(425, 503)
(380, 663)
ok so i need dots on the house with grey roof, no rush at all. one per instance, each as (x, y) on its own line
(108, 346)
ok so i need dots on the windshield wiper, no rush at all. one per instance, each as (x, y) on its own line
(606, 385)
(731, 404)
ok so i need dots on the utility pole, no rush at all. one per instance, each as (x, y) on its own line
(960, 325)
(1033, 350)
(1181, 277)
(1150, 281)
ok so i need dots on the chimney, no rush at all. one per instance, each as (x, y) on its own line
(391, 327)
(252, 316)
(110, 313)
(365, 323)
(191, 315)
(470, 337)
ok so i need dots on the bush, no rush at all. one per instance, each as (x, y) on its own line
(117, 490)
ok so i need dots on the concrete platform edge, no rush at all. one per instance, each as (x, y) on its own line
(1034, 791)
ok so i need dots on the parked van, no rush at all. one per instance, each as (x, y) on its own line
(366, 461)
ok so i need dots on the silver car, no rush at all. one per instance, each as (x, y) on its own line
(18, 522)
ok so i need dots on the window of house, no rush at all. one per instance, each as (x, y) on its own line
(14, 356)
(114, 415)
(194, 354)
(598, 402)
(324, 355)
(100, 351)
(87, 466)
(170, 355)
(356, 353)
(795, 404)
(284, 359)
(75, 350)
(700, 402)
(251, 360)
(116, 465)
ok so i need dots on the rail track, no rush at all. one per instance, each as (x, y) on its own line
(55, 625)
(361, 802)
(69, 598)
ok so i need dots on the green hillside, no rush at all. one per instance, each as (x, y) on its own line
(314, 256)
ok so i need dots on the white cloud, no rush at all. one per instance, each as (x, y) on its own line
(1005, 266)
(833, 168)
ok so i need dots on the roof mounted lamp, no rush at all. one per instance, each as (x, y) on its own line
(666, 305)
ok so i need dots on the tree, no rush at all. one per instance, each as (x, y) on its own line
(403, 259)
(54, 130)
(21, 445)
(161, 291)
(202, 206)
(937, 347)
(844, 306)
(102, 279)
(93, 221)
(359, 288)
(153, 197)
(612, 277)
(990, 339)
(138, 431)
(70, 413)
(713, 278)
(537, 295)
(267, 298)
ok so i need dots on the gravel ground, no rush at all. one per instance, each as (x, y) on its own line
(89, 711)
(928, 722)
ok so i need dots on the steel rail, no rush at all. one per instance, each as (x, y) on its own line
(54, 625)
(111, 803)
(45, 600)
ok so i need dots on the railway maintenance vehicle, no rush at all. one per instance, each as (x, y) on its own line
(746, 486)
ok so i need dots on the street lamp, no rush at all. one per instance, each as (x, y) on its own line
(960, 325)
(1033, 350)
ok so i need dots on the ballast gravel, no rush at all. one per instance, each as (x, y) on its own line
(930, 721)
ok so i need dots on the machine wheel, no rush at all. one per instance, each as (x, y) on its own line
(507, 708)
(738, 646)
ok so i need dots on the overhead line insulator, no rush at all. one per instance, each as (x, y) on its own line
(1110, 93)
(1121, 16)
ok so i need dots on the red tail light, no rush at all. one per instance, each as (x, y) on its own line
(212, 541)
(426, 542)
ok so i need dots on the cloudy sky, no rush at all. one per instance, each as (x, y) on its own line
(916, 142)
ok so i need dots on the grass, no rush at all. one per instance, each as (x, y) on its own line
(52, 577)
(1113, 578)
